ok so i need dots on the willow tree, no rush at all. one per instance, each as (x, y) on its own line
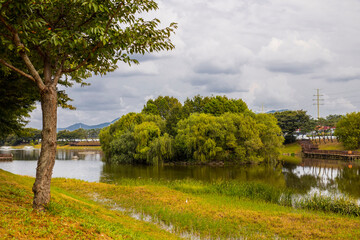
(65, 41)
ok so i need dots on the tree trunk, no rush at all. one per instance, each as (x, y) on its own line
(46, 161)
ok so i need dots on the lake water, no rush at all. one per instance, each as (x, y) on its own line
(324, 176)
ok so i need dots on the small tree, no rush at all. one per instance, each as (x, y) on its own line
(348, 130)
(291, 121)
(65, 41)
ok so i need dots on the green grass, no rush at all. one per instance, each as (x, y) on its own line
(68, 216)
(342, 205)
(294, 148)
(82, 210)
(220, 210)
(290, 153)
(335, 145)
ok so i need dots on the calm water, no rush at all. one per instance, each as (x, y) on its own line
(325, 176)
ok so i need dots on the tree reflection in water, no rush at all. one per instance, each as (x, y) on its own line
(312, 175)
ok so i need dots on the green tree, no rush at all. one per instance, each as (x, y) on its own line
(144, 134)
(332, 120)
(25, 135)
(196, 137)
(195, 105)
(270, 134)
(169, 108)
(135, 138)
(230, 138)
(162, 149)
(64, 135)
(219, 105)
(290, 121)
(215, 105)
(18, 97)
(30, 135)
(348, 130)
(62, 42)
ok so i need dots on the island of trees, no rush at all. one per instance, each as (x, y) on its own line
(202, 130)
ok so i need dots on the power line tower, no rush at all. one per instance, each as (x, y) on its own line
(318, 102)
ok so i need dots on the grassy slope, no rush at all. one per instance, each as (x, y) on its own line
(69, 216)
(291, 148)
(74, 214)
(290, 153)
(331, 146)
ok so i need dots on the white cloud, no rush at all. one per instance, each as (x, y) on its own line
(294, 55)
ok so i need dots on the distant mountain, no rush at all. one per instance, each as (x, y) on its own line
(274, 111)
(84, 126)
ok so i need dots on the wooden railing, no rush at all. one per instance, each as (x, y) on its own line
(6, 157)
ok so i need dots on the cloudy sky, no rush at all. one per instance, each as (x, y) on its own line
(273, 54)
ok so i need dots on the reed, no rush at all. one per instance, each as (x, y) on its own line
(257, 191)
(342, 205)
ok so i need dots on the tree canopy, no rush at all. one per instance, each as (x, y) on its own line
(290, 121)
(348, 130)
(215, 105)
(235, 136)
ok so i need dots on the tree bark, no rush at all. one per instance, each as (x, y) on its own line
(45, 165)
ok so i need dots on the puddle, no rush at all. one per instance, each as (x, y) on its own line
(146, 218)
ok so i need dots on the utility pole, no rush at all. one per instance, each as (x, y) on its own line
(318, 99)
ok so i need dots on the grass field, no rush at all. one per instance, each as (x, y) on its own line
(82, 210)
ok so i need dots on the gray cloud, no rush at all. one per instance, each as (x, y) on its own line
(210, 68)
(294, 55)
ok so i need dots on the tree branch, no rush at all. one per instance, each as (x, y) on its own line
(43, 17)
(58, 73)
(17, 70)
(88, 20)
(10, 28)
(38, 49)
(16, 40)
(28, 62)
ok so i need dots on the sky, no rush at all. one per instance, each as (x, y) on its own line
(273, 54)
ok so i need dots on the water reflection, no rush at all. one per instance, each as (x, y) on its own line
(348, 181)
(271, 175)
(61, 154)
(324, 176)
(80, 164)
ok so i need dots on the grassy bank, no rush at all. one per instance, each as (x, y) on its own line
(82, 210)
(290, 153)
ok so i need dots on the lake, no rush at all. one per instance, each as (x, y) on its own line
(312, 175)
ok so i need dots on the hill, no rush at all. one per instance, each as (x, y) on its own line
(85, 126)
(274, 111)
